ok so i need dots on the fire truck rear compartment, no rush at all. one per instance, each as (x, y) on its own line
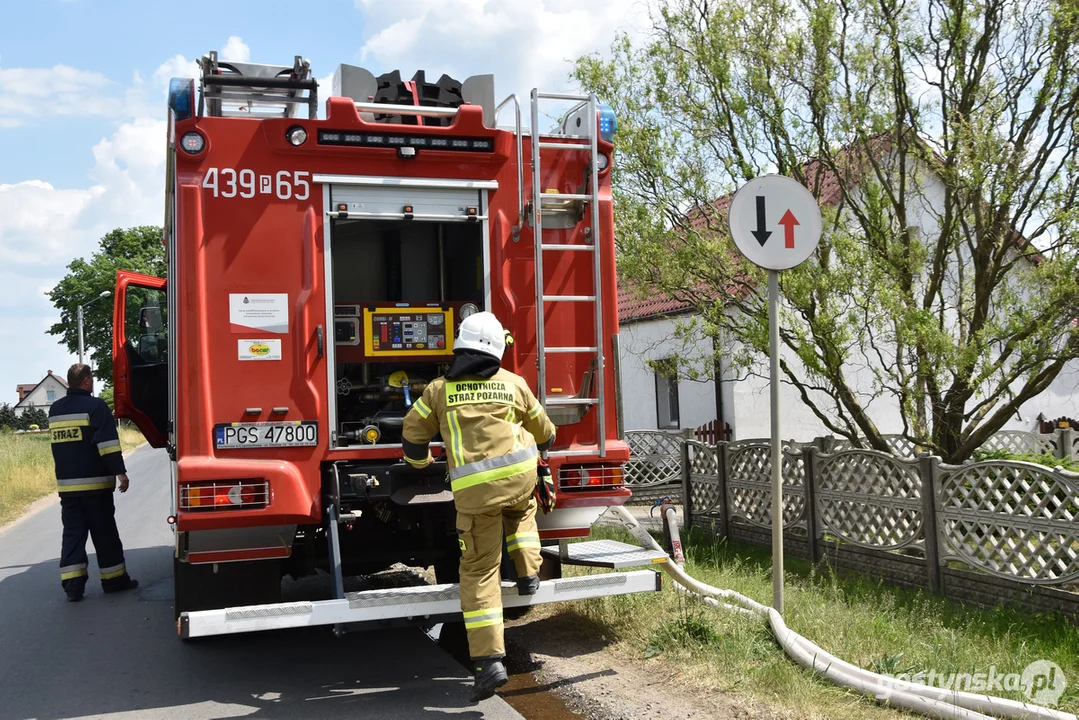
(384, 272)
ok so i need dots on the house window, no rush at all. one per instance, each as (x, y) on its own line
(50, 396)
(666, 394)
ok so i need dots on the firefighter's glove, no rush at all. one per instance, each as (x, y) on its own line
(545, 487)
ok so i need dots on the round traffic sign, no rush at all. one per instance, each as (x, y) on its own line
(775, 222)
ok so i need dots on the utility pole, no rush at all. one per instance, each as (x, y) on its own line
(79, 320)
(78, 314)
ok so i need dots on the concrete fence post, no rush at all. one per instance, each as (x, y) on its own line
(929, 472)
(721, 473)
(809, 461)
(1065, 444)
(687, 489)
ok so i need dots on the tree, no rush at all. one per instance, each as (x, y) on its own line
(107, 395)
(941, 137)
(138, 249)
(8, 418)
(33, 416)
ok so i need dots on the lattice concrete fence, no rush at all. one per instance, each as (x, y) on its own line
(983, 532)
(654, 469)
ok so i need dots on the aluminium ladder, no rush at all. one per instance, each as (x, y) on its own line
(591, 247)
(242, 89)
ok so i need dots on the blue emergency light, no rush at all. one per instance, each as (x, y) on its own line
(608, 123)
(182, 97)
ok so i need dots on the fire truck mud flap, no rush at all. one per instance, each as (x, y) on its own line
(424, 603)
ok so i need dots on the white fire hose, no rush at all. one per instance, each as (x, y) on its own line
(924, 699)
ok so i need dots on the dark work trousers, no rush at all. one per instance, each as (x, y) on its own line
(92, 514)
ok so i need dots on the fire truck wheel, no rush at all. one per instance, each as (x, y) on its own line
(198, 587)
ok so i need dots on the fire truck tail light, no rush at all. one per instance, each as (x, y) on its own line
(192, 143)
(608, 123)
(590, 477)
(602, 161)
(233, 495)
(296, 136)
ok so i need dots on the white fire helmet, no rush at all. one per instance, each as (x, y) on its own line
(482, 332)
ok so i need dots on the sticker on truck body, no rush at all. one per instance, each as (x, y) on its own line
(267, 312)
(259, 349)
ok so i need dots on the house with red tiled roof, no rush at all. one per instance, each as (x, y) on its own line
(40, 395)
(654, 330)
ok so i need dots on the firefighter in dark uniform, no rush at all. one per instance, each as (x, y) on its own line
(89, 460)
(494, 430)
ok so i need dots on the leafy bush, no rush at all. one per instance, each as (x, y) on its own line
(1045, 459)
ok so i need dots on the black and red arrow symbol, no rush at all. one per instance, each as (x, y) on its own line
(760, 233)
(788, 221)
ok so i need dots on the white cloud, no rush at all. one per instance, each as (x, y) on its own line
(59, 90)
(524, 45)
(177, 66)
(37, 221)
(235, 50)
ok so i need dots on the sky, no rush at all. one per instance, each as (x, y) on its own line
(82, 106)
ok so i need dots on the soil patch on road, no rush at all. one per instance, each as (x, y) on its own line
(598, 679)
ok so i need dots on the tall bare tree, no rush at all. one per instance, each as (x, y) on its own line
(941, 137)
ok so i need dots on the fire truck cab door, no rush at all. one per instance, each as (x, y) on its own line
(140, 359)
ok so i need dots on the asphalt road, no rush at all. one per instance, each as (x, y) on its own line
(118, 656)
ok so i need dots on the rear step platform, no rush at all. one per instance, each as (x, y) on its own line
(605, 554)
(423, 602)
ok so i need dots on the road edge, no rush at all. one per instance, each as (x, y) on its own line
(51, 499)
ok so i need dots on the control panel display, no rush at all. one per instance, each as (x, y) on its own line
(346, 330)
(408, 332)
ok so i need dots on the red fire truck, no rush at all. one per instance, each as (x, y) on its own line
(317, 272)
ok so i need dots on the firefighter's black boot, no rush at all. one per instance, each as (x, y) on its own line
(74, 589)
(490, 675)
(528, 585)
(124, 582)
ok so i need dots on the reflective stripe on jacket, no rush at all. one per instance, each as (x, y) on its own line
(490, 429)
(85, 447)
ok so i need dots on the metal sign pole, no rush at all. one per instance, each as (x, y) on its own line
(760, 207)
(777, 443)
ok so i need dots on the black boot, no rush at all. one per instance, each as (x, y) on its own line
(74, 589)
(490, 675)
(124, 582)
(528, 585)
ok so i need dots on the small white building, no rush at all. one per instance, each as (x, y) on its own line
(42, 395)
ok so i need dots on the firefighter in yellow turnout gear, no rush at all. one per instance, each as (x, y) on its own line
(493, 429)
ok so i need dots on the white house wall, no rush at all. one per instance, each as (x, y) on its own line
(39, 398)
(655, 340)
(746, 398)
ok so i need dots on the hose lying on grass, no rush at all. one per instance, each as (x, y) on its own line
(924, 699)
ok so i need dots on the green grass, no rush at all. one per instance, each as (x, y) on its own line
(856, 618)
(26, 469)
(26, 472)
(130, 437)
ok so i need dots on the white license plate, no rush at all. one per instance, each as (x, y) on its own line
(299, 433)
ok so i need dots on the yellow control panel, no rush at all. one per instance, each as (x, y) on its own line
(411, 332)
